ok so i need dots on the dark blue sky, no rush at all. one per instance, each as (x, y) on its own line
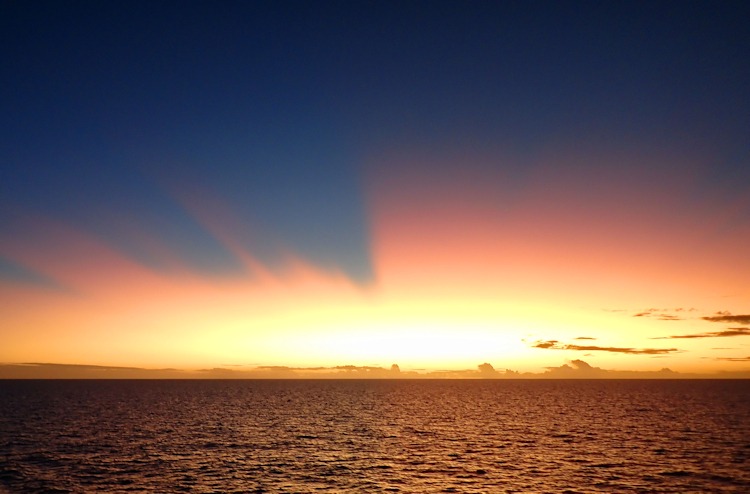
(123, 117)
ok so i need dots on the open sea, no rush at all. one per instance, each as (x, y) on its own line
(375, 436)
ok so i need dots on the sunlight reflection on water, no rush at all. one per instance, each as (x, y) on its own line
(375, 436)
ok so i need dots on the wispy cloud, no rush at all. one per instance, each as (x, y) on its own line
(728, 317)
(663, 314)
(711, 334)
(734, 359)
(584, 338)
(680, 313)
(669, 317)
(556, 345)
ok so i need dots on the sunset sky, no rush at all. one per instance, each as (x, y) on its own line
(434, 184)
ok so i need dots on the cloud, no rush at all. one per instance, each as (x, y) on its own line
(728, 317)
(581, 365)
(555, 345)
(584, 338)
(647, 351)
(575, 368)
(662, 314)
(287, 368)
(734, 359)
(579, 369)
(43, 370)
(337, 371)
(678, 313)
(486, 370)
(546, 344)
(712, 334)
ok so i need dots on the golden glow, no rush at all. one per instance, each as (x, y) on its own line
(461, 279)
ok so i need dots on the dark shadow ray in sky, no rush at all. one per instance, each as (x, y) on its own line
(276, 104)
(13, 272)
(281, 192)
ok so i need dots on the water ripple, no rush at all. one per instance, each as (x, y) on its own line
(375, 436)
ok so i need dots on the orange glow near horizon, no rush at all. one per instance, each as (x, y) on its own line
(461, 277)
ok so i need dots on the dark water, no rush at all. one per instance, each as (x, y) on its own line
(375, 436)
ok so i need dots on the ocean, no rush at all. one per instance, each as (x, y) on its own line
(375, 436)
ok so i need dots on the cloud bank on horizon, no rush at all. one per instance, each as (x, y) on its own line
(575, 369)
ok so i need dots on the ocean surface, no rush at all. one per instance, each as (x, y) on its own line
(375, 436)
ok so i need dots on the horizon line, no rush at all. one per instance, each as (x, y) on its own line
(574, 370)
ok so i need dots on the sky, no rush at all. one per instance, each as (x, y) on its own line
(311, 185)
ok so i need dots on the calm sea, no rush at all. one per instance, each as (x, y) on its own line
(375, 436)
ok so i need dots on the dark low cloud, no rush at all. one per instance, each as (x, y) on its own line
(348, 368)
(44, 370)
(356, 368)
(546, 344)
(734, 359)
(728, 317)
(711, 334)
(580, 369)
(556, 345)
(647, 351)
(576, 368)
(584, 338)
(286, 367)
